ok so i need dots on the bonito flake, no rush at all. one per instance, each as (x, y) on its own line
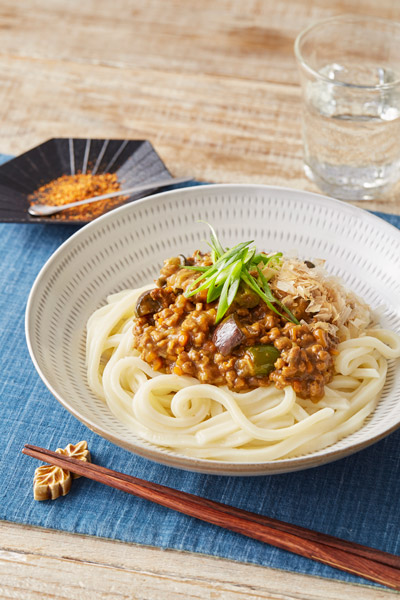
(333, 308)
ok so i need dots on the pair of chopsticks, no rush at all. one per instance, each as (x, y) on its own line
(363, 561)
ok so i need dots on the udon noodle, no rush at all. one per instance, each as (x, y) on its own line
(199, 419)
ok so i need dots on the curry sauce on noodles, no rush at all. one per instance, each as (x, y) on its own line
(269, 380)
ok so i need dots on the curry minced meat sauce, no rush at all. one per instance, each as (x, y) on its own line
(252, 347)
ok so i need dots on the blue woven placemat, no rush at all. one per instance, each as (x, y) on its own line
(357, 498)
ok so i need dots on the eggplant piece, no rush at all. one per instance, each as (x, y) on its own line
(183, 260)
(228, 335)
(147, 305)
(263, 358)
(178, 261)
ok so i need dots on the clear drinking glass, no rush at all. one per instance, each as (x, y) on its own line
(350, 77)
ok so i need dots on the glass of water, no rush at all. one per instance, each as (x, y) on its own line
(350, 77)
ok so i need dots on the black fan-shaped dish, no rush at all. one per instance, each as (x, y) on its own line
(133, 161)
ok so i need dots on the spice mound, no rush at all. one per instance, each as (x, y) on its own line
(50, 481)
(82, 186)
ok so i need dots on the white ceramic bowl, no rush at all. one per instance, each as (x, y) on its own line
(126, 247)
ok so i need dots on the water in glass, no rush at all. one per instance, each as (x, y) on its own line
(352, 130)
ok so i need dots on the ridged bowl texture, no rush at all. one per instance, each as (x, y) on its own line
(126, 248)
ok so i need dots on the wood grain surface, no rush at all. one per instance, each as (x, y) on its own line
(43, 564)
(213, 85)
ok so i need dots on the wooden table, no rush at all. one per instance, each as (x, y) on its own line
(213, 84)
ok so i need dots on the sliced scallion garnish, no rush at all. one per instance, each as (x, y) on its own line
(232, 266)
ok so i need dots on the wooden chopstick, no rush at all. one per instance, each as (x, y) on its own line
(369, 563)
(358, 549)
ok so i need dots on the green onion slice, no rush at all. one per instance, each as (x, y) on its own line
(232, 266)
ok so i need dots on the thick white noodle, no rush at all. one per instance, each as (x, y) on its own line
(205, 421)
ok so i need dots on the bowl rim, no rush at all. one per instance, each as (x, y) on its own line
(215, 467)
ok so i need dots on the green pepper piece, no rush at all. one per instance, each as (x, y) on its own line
(263, 358)
(246, 298)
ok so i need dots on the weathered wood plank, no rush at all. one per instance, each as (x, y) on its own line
(249, 39)
(219, 130)
(38, 563)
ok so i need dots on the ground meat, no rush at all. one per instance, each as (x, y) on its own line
(178, 338)
(305, 361)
